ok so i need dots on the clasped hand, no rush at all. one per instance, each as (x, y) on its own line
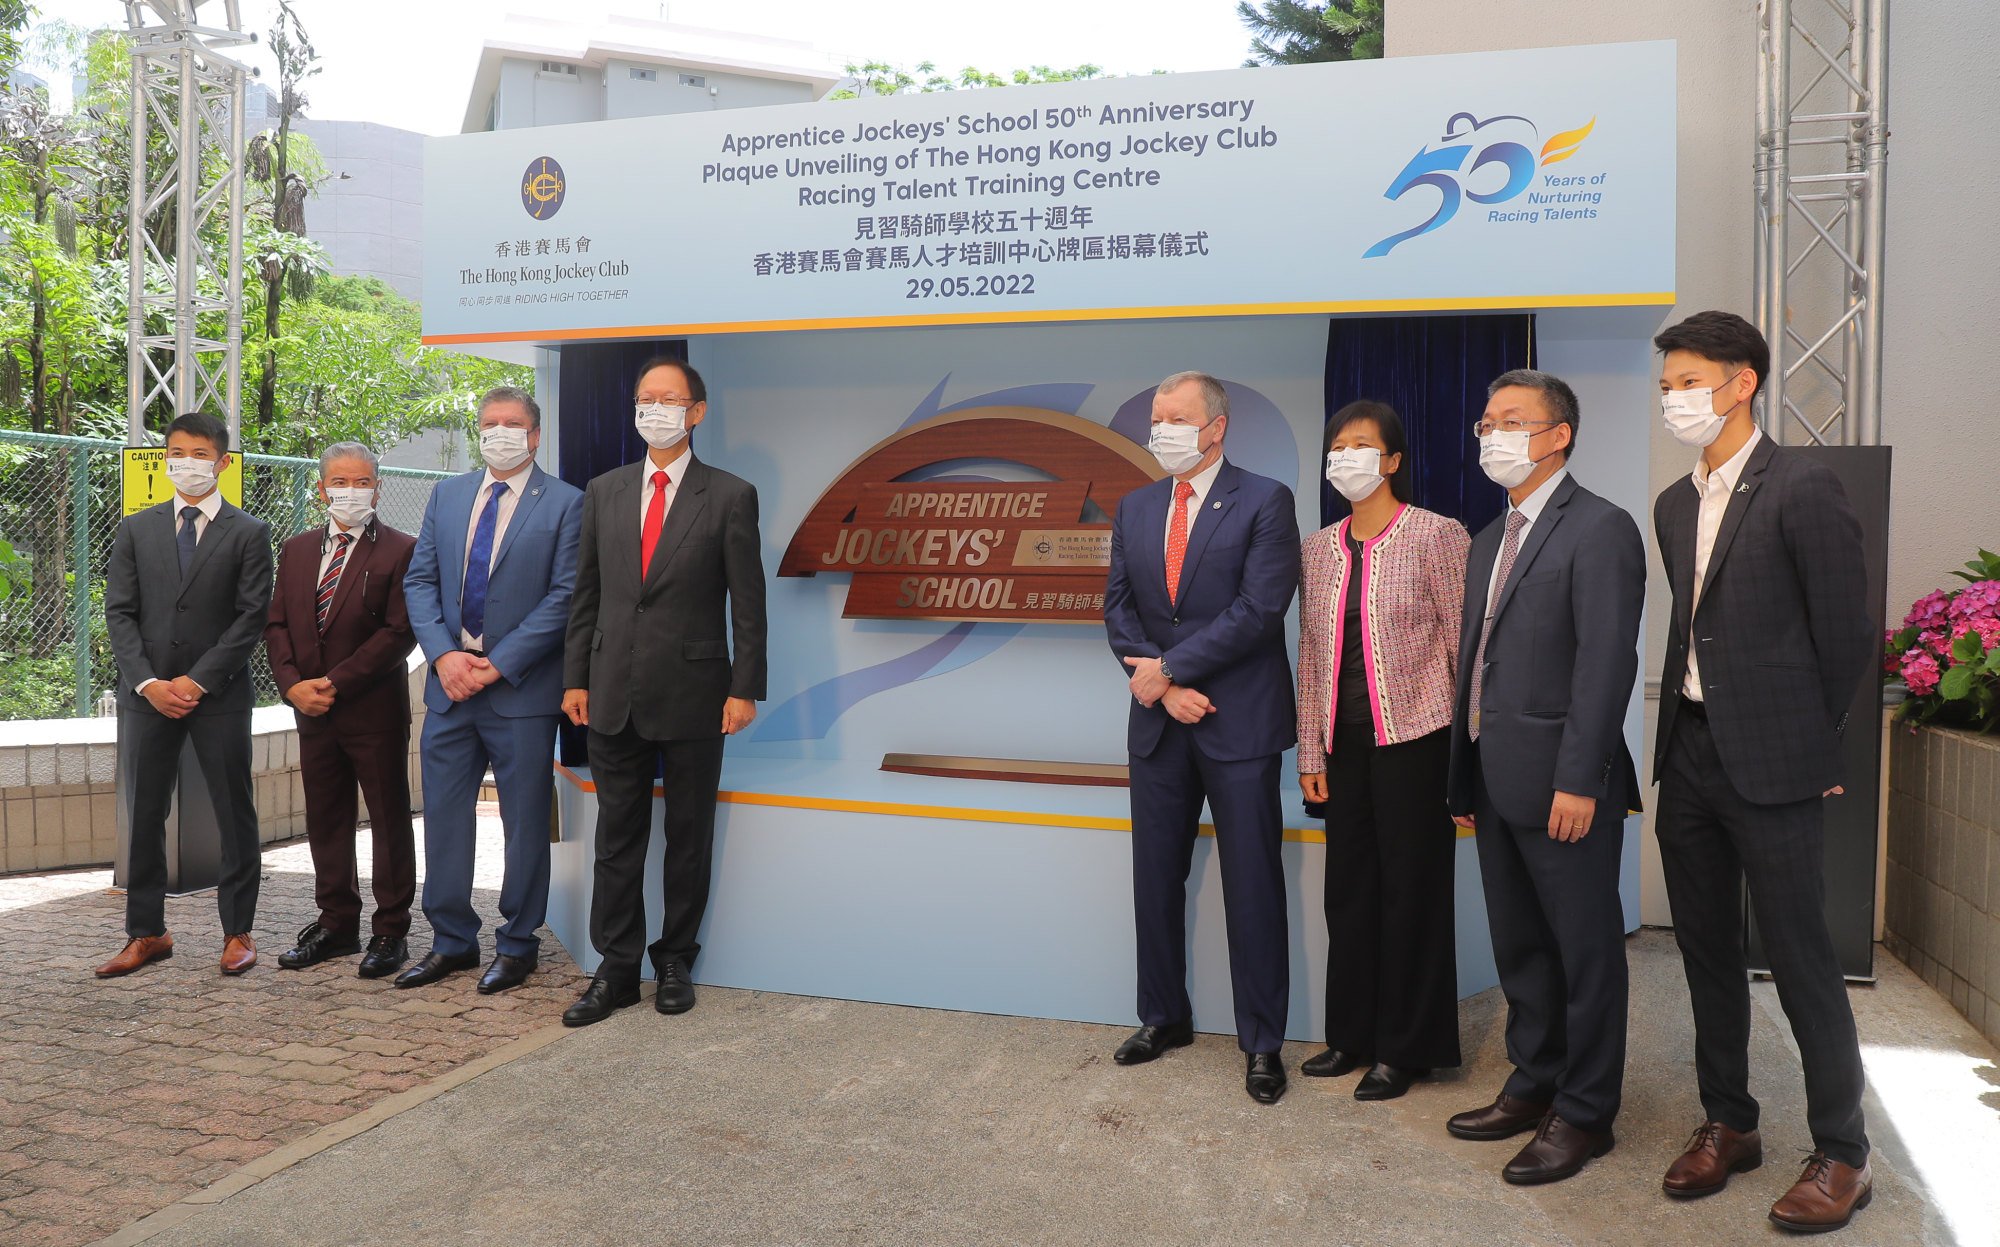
(175, 698)
(312, 697)
(463, 676)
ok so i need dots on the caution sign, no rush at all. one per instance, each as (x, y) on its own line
(146, 480)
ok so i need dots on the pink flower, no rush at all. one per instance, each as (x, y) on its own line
(1920, 672)
(1987, 626)
(1930, 610)
(1979, 598)
(1935, 641)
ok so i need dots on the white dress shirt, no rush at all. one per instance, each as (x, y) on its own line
(1202, 482)
(676, 472)
(508, 501)
(1531, 509)
(207, 507)
(1715, 488)
(328, 545)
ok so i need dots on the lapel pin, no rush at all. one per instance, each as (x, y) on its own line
(535, 493)
(1744, 488)
(1216, 505)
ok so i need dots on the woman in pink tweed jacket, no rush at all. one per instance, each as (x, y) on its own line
(1378, 651)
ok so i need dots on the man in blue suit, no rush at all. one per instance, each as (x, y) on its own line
(489, 593)
(1203, 568)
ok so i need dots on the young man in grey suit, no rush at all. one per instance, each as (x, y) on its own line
(1548, 654)
(664, 659)
(185, 599)
(1769, 640)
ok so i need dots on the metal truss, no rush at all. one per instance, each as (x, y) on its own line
(1822, 152)
(193, 93)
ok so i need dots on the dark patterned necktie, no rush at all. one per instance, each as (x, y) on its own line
(185, 541)
(323, 601)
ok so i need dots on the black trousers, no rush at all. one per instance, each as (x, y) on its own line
(1713, 842)
(1391, 847)
(1559, 943)
(150, 747)
(1168, 788)
(623, 766)
(336, 765)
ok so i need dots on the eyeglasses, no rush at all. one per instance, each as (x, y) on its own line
(1484, 427)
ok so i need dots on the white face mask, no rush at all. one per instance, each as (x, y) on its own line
(1504, 457)
(1691, 416)
(1356, 473)
(352, 506)
(192, 477)
(1176, 446)
(660, 424)
(503, 447)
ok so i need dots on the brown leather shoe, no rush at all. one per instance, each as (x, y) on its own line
(137, 952)
(1502, 1119)
(239, 953)
(1712, 1155)
(1826, 1196)
(1558, 1150)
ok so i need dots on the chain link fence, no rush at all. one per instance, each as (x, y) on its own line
(61, 499)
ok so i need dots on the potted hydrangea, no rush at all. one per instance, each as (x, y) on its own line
(1948, 652)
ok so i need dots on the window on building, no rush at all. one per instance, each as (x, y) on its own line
(644, 75)
(693, 80)
(558, 67)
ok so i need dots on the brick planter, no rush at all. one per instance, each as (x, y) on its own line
(1943, 912)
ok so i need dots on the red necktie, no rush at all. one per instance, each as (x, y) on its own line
(656, 516)
(1177, 539)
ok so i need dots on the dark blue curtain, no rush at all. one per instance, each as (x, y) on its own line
(1434, 371)
(595, 405)
(594, 414)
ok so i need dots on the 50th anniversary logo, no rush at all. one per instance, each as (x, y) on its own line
(1469, 145)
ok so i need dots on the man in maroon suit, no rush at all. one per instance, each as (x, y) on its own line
(338, 637)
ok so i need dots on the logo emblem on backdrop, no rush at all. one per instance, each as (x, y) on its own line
(1468, 146)
(953, 548)
(543, 188)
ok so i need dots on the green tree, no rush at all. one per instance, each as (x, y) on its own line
(1297, 32)
(883, 78)
(14, 17)
(271, 161)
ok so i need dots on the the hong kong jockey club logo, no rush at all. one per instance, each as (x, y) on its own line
(542, 188)
(1467, 146)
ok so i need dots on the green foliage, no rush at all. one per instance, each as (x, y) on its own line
(882, 78)
(14, 15)
(1985, 567)
(1297, 32)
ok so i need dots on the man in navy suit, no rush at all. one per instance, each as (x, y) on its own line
(1548, 653)
(1203, 568)
(488, 592)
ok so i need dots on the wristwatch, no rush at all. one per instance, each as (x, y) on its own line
(1165, 674)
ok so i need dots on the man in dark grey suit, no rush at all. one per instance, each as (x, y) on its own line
(1548, 653)
(670, 579)
(185, 599)
(1770, 637)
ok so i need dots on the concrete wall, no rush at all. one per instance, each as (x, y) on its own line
(369, 214)
(626, 96)
(58, 789)
(529, 97)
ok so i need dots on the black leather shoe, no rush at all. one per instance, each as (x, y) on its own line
(1386, 1082)
(1150, 1042)
(1502, 1119)
(1332, 1064)
(1264, 1077)
(599, 1001)
(506, 972)
(315, 945)
(1558, 1150)
(386, 955)
(675, 993)
(435, 966)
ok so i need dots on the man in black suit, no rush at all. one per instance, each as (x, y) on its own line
(1548, 653)
(1770, 636)
(185, 599)
(670, 572)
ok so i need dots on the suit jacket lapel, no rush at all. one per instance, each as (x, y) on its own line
(206, 546)
(1538, 536)
(1147, 547)
(690, 496)
(1479, 571)
(1739, 502)
(359, 551)
(1683, 516)
(524, 506)
(620, 502)
(1215, 508)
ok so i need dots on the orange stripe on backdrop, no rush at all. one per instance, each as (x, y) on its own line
(956, 813)
(1661, 298)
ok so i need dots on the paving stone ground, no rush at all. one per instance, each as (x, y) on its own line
(119, 1096)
